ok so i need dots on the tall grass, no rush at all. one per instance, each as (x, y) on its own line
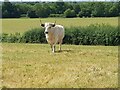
(98, 34)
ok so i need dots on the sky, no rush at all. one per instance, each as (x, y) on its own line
(53, 0)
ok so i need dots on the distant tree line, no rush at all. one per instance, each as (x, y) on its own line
(60, 9)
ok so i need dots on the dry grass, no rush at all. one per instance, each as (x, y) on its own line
(34, 66)
(21, 25)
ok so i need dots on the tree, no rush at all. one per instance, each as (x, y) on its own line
(84, 12)
(0, 10)
(24, 7)
(113, 11)
(98, 9)
(60, 8)
(107, 6)
(76, 7)
(31, 14)
(69, 13)
(42, 10)
(119, 8)
(10, 11)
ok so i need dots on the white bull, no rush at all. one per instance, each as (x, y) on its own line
(54, 34)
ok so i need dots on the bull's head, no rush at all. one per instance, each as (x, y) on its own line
(48, 26)
(42, 24)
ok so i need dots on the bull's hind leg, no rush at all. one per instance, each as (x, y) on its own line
(60, 43)
(60, 47)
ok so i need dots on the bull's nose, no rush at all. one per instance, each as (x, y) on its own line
(46, 32)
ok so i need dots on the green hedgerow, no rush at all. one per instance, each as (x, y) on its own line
(90, 35)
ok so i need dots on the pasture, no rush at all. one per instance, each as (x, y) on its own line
(77, 66)
(23, 24)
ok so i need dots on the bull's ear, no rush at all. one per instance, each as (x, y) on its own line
(53, 25)
(42, 25)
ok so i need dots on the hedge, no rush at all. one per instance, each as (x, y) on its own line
(89, 35)
(93, 35)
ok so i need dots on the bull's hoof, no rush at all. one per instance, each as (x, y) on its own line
(53, 51)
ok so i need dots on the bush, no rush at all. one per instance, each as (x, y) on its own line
(23, 15)
(31, 14)
(56, 15)
(93, 35)
(69, 13)
(89, 35)
(34, 36)
(12, 38)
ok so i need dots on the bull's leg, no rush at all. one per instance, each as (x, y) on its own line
(53, 49)
(59, 47)
(60, 43)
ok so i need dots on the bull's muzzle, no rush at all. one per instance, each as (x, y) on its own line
(46, 32)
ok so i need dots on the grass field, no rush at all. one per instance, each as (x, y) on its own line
(33, 65)
(21, 25)
(77, 66)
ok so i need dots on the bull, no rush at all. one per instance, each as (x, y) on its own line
(54, 34)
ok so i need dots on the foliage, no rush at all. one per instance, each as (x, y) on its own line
(42, 10)
(93, 35)
(31, 14)
(56, 15)
(11, 38)
(45, 9)
(69, 13)
(89, 35)
(10, 11)
(34, 36)
(24, 7)
(98, 10)
(84, 13)
(0, 10)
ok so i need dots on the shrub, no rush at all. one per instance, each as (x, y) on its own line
(56, 15)
(31, 14)
(92, 35)
(69, 13)
(12, 38)
(89, 35)
(34, 36)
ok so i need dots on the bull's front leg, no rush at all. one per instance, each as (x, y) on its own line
(53, 48)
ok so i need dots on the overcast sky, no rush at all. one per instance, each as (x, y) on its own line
(53, 0)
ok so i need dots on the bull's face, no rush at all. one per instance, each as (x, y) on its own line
(48, 27)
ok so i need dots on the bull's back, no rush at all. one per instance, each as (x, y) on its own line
(60, 31)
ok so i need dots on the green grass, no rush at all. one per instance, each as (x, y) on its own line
(21, 25)
(34, 66)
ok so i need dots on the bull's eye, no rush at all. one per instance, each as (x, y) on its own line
(46, 32)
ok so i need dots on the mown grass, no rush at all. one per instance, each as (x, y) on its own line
(21, 25)
(77, 66)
